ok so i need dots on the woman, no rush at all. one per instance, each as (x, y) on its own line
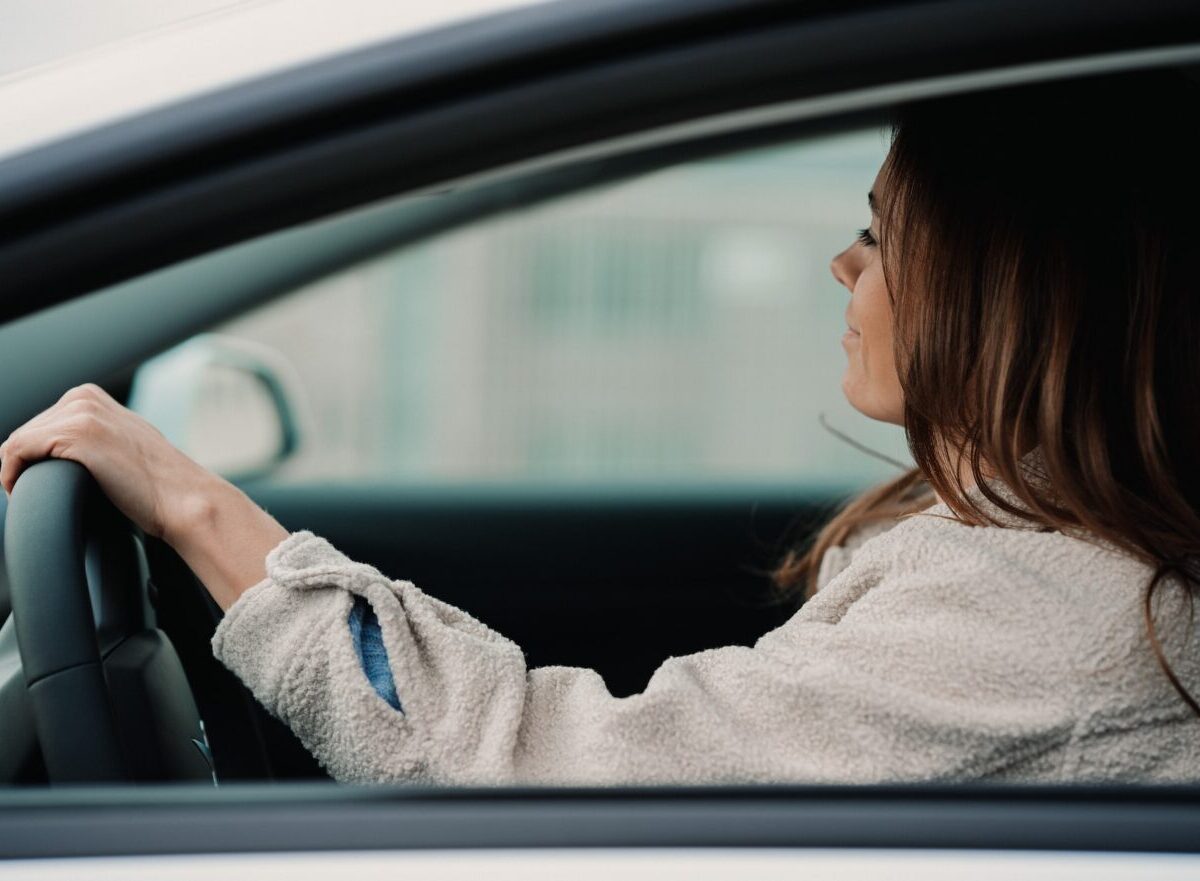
(1018, 607)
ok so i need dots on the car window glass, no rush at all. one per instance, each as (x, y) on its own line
(679, 327)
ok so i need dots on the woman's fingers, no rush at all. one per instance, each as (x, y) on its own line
(49, 414)
(62, 432)
(77, 396)
(31, 444)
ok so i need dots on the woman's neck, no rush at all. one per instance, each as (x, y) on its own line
(966, 475)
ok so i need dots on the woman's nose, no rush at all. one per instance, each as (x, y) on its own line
(842, 271)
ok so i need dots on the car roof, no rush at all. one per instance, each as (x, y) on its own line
(205, 53)
(433, 109)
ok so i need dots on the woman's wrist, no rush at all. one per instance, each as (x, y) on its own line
(222, 535)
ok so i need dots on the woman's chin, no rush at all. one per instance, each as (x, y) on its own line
(852, 389)
(858, 395)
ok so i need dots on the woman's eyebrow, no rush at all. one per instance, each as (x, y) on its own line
(871, 201)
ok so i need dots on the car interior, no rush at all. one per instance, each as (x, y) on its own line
(613, 559)
(423, 360)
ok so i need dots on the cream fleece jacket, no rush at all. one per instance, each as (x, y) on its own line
(934, 651)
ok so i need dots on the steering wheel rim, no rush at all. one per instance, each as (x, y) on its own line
(108, 695)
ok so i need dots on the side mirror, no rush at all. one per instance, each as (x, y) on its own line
(223, 401)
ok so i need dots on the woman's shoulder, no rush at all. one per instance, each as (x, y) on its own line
(837, 557)
(1012, 547)
(933, 556)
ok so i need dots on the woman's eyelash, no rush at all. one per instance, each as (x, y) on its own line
(865, 237)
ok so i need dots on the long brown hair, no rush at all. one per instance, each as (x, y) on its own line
(1040, 245)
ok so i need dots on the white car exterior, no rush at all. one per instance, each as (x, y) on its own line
(633, 865)
(202, 54)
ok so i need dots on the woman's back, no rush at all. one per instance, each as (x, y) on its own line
(1035, 638)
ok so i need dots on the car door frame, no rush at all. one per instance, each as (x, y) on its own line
(175, 184)
(492, 94)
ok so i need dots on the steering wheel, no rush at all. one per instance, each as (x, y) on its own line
(109, 697)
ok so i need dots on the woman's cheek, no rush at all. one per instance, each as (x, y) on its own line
(855, 380)
(870, 382)
(880, 366)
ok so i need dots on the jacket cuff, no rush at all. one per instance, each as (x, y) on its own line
(301, 556)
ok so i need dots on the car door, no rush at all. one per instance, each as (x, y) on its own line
(608, 94)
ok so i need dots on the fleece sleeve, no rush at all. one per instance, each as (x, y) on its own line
(887, 698)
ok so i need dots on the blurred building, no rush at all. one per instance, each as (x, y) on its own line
(683, 326)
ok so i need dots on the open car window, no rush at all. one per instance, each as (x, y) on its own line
(679, 328)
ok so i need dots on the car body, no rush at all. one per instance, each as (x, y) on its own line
(130, 232)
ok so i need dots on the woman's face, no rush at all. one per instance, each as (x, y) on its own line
(870, 382)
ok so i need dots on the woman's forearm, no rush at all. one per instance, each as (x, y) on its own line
(223, 537)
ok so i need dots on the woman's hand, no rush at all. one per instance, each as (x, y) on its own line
(149, 480)
(220, 533)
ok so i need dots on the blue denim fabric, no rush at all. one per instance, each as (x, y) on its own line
(368, 643)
